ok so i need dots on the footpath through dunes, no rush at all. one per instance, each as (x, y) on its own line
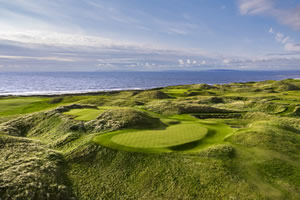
(190, 135)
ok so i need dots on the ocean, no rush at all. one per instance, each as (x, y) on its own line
(49, 83)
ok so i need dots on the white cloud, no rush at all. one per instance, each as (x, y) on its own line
(279, 36)
(181, 62)
(177, 31)
(254, 6)
(271, 30)
(104, 64)
(226, 61)
(147, 64)
(292, 47)
(290, 17)
(289, 44)
(38, 58)
(52, 51)
(59, 39)
(285, 40)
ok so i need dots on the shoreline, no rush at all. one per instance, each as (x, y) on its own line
(106, 91)
(99, 92)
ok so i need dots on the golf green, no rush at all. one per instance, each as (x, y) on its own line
(187, 136)
(85, 114)
(172, 136)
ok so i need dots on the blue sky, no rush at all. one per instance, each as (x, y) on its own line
(144, 35)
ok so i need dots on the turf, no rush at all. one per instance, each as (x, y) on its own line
(191, 136)
(171, 136)
(13, 106)
(85, 114)
(176, 92)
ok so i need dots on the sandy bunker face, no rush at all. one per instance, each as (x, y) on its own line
(172, 136)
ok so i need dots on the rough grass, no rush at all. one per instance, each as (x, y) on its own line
(181, 107)
(152, 94)
(29, 170)
(129, 118)
(156, 176)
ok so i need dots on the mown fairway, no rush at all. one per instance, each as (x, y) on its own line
(171, 136)
(10, 106)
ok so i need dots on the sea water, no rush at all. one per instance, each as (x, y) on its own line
(48, 83)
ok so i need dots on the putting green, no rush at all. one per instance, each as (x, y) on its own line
(85, 114)
(176, 92)
(172, 136)
(189, 136)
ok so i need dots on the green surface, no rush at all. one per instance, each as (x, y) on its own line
(171, 136)
(85, 114)
(176, 92)
(191, 136)
(23, 105)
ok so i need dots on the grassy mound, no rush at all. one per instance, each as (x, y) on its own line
(17, 127)
(128, 175)
(29, 170)
(114, 119)
(173, 107)
(220, 151)
(278, 86)
(202, 87)
(296, 111)
(267, 106)
(152, 94)
(270, 135)
(283, 86)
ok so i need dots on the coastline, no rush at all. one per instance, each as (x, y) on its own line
(57, 84)
(83, 93)
(106, 91)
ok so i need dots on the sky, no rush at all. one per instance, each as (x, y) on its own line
(149, 35)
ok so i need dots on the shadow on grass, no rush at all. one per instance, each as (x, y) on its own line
(194, 144)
